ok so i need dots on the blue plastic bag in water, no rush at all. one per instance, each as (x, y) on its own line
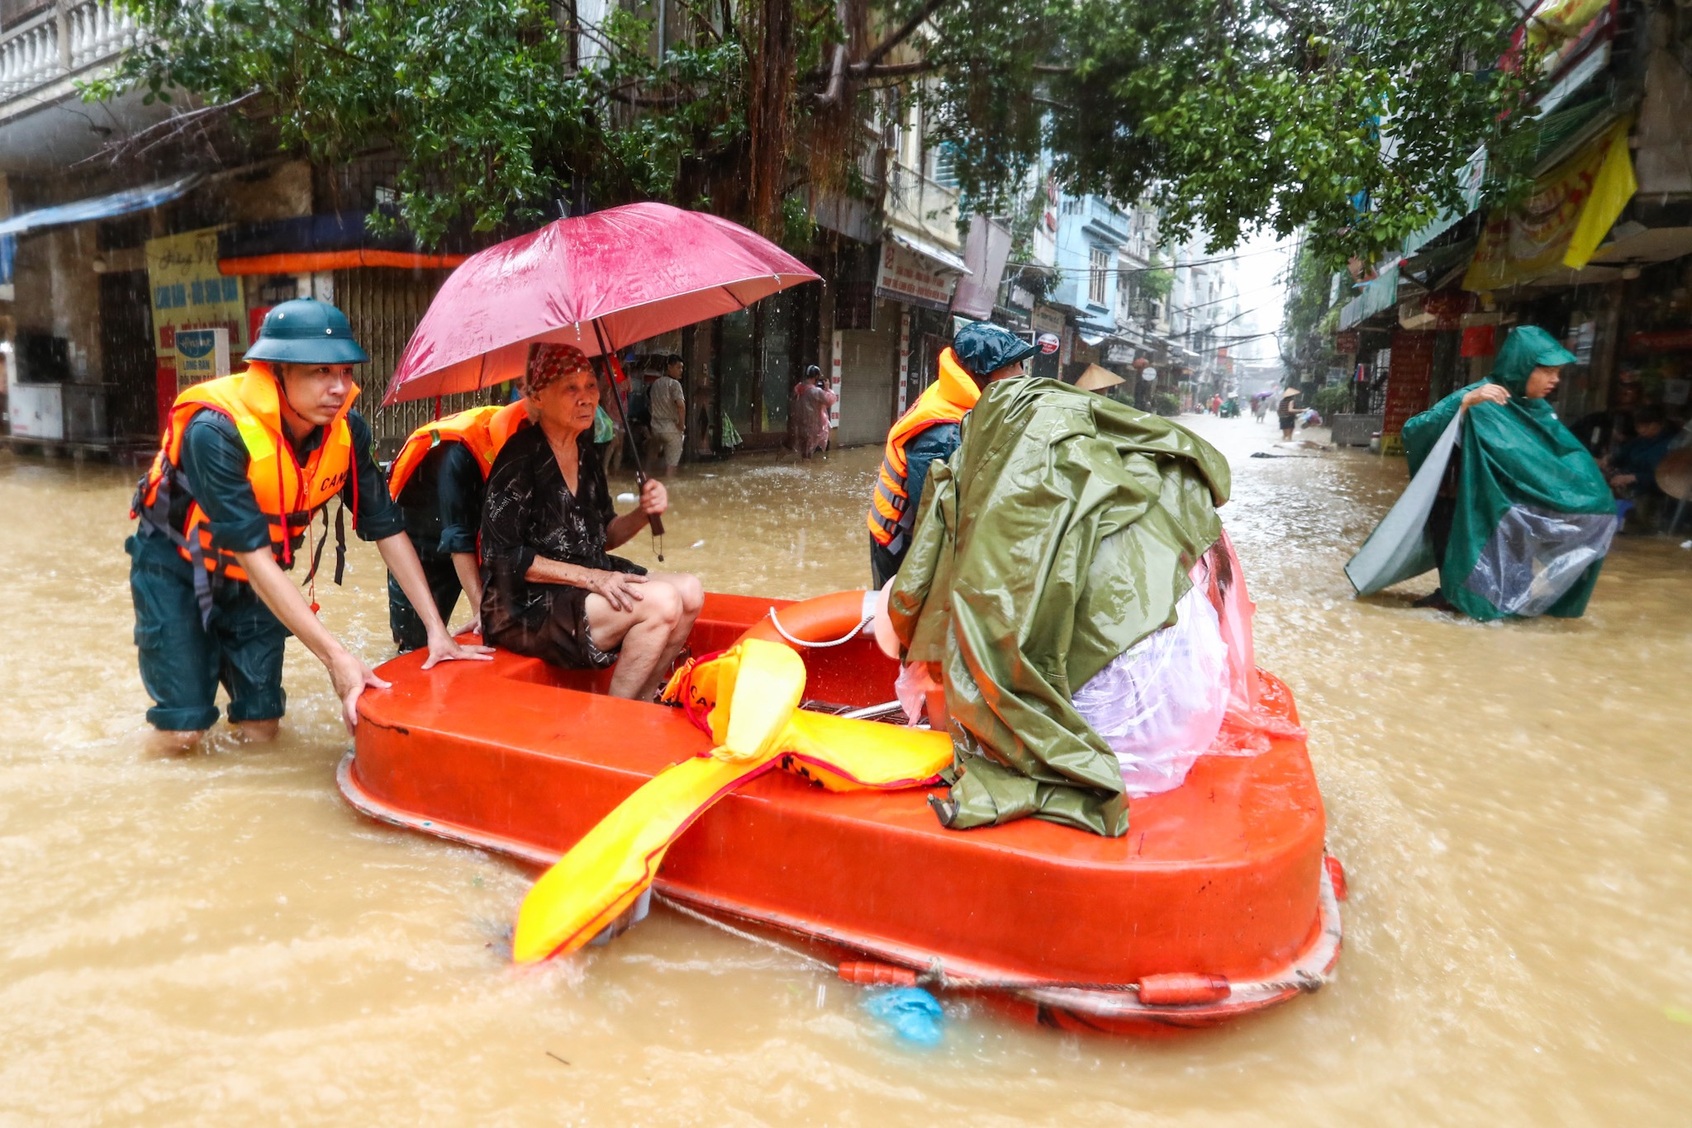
(913, 1014)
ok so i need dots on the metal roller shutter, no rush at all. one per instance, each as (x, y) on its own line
(384, 307)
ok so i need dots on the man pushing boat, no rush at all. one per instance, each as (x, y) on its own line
(440, 478)
(551, 588)
(245, 463)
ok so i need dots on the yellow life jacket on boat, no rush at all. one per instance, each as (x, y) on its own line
(288, 494)
(750, 696)
(947, 400)
(484, 431)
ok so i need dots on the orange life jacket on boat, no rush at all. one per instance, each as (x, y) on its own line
(947, 400)
(288, 494)
(484, 431)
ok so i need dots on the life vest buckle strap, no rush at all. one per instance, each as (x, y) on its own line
(340, 539)
(202, 580)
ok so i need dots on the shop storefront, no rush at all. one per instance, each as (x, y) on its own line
(887, 339)
(1656, 341)
(759, 353)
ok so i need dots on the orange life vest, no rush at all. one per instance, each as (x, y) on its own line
(947, 400)
(288, 494)
(484, 431)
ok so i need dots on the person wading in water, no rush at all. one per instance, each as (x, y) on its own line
(245, 463)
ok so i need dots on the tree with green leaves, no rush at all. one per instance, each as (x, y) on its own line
(1352, 119)
(1306, 340)
(484, 104)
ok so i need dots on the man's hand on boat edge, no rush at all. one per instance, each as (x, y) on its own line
(351, 676)
(444, 648)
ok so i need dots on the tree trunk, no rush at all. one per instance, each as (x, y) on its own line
(769, 112)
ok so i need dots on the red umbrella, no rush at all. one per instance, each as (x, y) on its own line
(599, 282)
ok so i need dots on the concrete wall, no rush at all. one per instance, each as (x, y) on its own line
(76, 299)
(57, 293)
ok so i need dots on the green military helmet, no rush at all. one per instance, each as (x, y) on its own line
(306, 331)
(983, 348)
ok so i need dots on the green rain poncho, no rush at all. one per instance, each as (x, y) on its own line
(1058, 535)
(1533, 516)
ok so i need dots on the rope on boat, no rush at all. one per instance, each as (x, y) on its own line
(936, 978)
(677, 906)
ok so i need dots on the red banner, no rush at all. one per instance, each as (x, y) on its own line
(1480, 340)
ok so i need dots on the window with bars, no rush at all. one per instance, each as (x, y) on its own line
(1098, 266)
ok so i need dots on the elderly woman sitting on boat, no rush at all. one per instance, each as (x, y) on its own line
(551, 590)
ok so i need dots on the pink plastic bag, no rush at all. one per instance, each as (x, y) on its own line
(1247, 728)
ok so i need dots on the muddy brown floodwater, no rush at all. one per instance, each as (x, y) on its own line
(220, 938)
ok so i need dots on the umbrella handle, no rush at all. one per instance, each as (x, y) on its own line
(652, 519)
(655, 522)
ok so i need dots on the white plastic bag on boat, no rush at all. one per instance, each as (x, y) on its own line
(912, 688)
(1160, 704)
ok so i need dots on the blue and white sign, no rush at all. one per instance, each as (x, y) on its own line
(201, 354)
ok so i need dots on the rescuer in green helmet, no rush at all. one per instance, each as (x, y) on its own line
(245, 464)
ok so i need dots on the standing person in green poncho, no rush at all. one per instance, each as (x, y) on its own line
(1523, 516)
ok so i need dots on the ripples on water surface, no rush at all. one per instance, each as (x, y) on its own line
(220, 938)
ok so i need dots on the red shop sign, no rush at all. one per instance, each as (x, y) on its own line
(1666, 340)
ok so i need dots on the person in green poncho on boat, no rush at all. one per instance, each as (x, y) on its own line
(1504, 501)
(1070, 595)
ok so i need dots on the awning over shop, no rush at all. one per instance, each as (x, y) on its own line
(1374, 296)
(310, 243)
(942, 259)
(1474, 179)
(311, 262)
(99, 207)
(915, 272)
(1439, 266)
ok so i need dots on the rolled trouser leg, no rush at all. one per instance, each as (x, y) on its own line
(178, 657)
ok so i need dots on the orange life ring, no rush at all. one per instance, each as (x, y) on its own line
(826, 620)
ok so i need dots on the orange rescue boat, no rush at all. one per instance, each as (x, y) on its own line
(1219, 901)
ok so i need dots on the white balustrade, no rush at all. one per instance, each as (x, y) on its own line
(33, 55)
(98, 33)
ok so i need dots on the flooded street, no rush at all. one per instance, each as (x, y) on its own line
(220, 938)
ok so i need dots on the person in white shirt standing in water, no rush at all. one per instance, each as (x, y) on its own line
(669, 415)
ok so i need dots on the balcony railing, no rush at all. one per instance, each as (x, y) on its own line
(52, 46)
(922, 203)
